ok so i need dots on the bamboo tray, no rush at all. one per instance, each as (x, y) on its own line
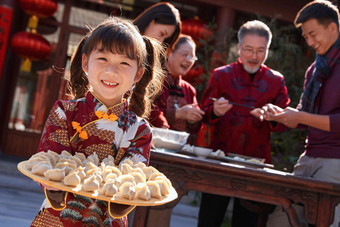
(97, 194)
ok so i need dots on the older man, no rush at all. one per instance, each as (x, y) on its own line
(319, 107)
(250, 83)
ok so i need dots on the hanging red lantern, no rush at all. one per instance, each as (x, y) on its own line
(40, 8)
(31, 47)
(196, 28)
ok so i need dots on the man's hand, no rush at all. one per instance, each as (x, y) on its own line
(221, 106)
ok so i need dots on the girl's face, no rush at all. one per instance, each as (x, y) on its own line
(110, 75)
(159, 31)
(181, 60)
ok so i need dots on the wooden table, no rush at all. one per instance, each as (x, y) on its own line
(261, 185)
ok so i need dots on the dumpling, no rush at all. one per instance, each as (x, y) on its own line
(127, 190)
(139, 178)
(81, 172)
(138, 170)
(125, 168)
(165, 179)
(106, 172)
(88, 160)
(156, 174)
(65, 154)
(142, 191)
(51, 158)
(115, 170)
(72, 179)
(164, 187)
(109, 177)
(55, 174)
(81, 156)
(76, 160)
(91, 165)
(34, 160)
(95, 158)
(92, 171)
(127, 161)
(91, 184)
(139, 165)
(148, 171)
(69, 166)
(154, 189)
(124, 178)
(109, 160)
(109, 189)
(41, 167)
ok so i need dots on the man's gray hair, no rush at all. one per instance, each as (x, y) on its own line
(255, 27)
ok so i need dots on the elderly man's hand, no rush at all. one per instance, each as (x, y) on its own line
(221, 106)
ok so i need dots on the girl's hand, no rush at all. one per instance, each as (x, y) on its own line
(50, 188)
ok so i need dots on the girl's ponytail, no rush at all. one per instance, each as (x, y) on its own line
(78, 83)
(151, 82)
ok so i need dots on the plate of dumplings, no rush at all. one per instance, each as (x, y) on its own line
(130, 183)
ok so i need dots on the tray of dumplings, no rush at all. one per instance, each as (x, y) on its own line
(130, 183)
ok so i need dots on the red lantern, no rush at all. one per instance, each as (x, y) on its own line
(196, 28)
(30, 45)
(40, 8)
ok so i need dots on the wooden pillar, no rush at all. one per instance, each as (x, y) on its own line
(225, 19)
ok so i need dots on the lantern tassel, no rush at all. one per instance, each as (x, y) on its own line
(26, 65)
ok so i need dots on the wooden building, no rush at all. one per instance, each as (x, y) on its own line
(26, 98)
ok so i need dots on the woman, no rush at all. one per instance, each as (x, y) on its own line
(160, 21)
(176, 107)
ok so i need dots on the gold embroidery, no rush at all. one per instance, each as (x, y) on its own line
(119, 156)
(59, 136)
(46, 219)
(102, 150)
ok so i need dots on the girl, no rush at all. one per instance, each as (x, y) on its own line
(110, 63)
(176, 108)
(160, 21)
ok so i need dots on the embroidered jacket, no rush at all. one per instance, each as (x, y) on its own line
(112, 131)
(237, 131)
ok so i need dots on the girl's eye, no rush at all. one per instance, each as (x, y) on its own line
(102, 59)
(125, 63)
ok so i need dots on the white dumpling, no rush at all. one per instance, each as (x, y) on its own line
(128, 161)
(139, 178)
(138, 170)
(51, 158)
(89, 159)
(77, 160)
(110, 176)
(65, 154)
(154, 189)
(69, 166)
(95, 158)
(34, 160)
(156, 174)
(127, 190)
(109, 189)
(81, 156)
(125, 168)
(106, 172)
(164, 187)
(148, 171)
(109, 160)
(41, 167)
(81, 172)
(55, 174)
(114, 169)
(124, 178)
(72, 179)
(54, 154)
(165, 179)
(91, 184)
(91, 165)
(139, 165)
(142, 191)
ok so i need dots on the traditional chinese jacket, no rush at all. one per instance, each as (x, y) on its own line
(237, 131)
(176, 93)
(117, 132)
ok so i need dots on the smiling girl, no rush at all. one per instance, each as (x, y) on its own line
(113, 74)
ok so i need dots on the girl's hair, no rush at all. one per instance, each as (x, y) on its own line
(184, 39)
(120, 36)
(161, 13)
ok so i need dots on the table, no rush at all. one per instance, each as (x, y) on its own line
(261, 185)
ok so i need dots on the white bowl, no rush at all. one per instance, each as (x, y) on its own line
(168, 139)
(202, 152)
